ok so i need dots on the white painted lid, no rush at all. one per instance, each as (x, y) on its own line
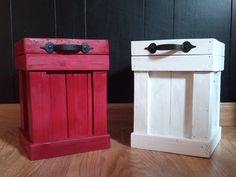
(203, 47)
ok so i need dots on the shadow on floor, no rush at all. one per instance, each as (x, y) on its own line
(120, 122)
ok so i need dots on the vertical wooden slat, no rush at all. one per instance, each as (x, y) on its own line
(47, 114)
(23, 101)
(214, 102)
(79, 118)
(200, 106)
(58, 106)
(159, 90)
(100, 103)
(90, 102)
(39, 100)
(181, 104)
(141, 101)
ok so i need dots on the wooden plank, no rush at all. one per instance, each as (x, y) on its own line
(175, 144)
(79, 117)
(33, 45)
(65, 147)
(47, 107)
(119, 22)
(39, 106)
(177, 63)
(58, 110)
(23, 101)
(47, 62)
(204, 46)
(200, 105)
(181, 104)
(70, 19)
(158, 104)
(214, 103)
(99, 103)
(158, 19)
(7, 87)
(232, 73)
(191, 19)
(141, 101)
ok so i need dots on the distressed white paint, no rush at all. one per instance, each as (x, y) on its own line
(159, 117)
(181, 104)
(176, 145)
(177, 98)
(203, 47)
(178, 63)
(200, 109)
(141, 88)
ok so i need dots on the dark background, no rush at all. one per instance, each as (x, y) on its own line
(120, 21)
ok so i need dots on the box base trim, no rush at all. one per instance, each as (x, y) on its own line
(36, 151)
(185, 146)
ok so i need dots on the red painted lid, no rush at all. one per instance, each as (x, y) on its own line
(61, 45)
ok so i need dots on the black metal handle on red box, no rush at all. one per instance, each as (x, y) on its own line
(66, 48)
(185, 47)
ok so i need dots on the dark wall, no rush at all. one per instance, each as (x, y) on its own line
(120, 21)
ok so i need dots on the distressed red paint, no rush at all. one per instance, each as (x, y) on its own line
(63, 98)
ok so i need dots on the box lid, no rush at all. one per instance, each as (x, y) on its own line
(61, 46)
(199, 47)
(34, 54)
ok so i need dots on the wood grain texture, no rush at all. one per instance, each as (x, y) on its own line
(159, 101)
(62, 62)
(141, 85)
(33, 45)
(119, 160)
(45, 122)
(79, 99)
(178, 63)
(228, 114)
(99, 103)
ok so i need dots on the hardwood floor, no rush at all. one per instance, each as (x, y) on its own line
(120, 160)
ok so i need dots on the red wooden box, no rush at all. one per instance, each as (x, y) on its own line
(62, 95)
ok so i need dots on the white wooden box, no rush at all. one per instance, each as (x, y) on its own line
(177, 97)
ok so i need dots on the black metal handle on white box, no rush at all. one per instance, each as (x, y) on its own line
(185, 47)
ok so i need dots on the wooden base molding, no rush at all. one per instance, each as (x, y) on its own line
(176, 145)
(64, 147)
